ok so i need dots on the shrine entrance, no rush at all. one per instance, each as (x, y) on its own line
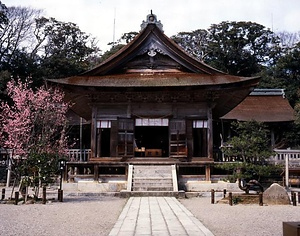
(151, 138)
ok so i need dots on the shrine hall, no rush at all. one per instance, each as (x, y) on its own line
(152, 104)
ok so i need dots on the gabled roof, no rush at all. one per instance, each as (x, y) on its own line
(152, 61)
(263, 105)
(151, 54)
(151, 41)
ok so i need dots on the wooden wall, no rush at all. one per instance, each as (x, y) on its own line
(151, 110)
(175, 112)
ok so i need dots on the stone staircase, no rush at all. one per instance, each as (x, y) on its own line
(152, 180)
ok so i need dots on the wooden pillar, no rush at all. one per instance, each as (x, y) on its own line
(189, 138)
(114, 138)
(209, 132)
(94, 132)
(207, 172)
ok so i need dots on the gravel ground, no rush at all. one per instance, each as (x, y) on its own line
(97, 215)
(75, 216)
(240, 220)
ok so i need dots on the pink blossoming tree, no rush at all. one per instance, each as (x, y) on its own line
(33, 125)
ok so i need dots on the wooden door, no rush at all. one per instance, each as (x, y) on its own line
(125, 137)
(178, 143)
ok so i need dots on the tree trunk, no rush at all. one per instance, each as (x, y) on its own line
(244, 188)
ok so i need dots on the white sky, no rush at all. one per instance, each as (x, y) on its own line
(96, 17)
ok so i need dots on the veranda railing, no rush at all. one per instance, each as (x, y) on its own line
(84, 155)
(284, 155)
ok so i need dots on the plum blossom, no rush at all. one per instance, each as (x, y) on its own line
(34, 121)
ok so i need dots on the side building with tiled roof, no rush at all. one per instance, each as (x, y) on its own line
(269, 106)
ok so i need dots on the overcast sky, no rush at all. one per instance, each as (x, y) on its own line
(97, 17)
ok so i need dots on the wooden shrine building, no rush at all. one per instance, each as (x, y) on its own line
(269, 106)
(152, 103)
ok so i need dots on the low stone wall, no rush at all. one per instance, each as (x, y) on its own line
(206, 186)
(198, 184)
(119, 185)
(95, 187)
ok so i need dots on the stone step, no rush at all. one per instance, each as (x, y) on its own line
(161, 171)
(152, 179)
(152, 173)
(127, 194)
(152, 167)
(152, 170)
(150, 188)
(150, 184)
(157, 183)
(140, 176)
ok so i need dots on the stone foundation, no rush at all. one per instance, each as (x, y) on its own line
(206, 186)
(118, 186)
(95, 187)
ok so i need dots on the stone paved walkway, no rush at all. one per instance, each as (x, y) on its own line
(157, 216)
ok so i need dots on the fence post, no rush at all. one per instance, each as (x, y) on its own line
(44, 195)
(3, 194)
(230, 198)
(294, 199)
(261, 203)
(16, 198)
(61, 195)
(212, 196)
(224, 193)
(58, 194)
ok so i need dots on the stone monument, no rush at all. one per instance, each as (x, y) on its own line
(276, 195)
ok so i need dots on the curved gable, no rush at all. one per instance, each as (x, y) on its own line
(153, 51)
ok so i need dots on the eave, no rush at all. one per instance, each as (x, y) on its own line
(225, 92)
(150, 80)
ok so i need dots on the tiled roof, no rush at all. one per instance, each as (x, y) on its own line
(262, 108)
